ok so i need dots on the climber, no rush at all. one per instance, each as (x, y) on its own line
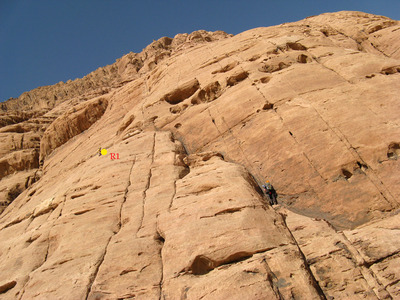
(270, 191)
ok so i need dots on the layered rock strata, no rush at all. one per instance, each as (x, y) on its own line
(198, 123)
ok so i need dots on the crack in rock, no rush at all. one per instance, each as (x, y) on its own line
(93, 277)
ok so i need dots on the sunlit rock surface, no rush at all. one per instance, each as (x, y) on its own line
(196, 124)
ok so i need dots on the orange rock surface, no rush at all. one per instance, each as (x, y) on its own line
(198, 123)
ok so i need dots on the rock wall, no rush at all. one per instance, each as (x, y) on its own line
(197, 123)
(70, 124)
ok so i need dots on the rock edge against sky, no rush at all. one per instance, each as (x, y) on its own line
(199, 122)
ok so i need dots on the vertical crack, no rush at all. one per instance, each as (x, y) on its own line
(160, 284)
(22, 142)
(125, 194)
(271, 278)
(313, 281)
(144, 194)
(147, 92)
(183, 172)
(62, 208)
(172, 198)
(93, 277)
(13, 142)
(216, 127)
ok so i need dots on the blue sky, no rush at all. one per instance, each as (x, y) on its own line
(43, 42)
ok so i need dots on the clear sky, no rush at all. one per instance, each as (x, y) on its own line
(43, 42)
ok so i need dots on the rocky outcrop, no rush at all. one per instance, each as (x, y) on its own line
(19, 161)
(103, 80)
(361, 263)
(13, 185)
(193, 126)
(71, 123)
(19, 152)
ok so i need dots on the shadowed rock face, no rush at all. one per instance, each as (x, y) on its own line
(199, 122)
(70, 124)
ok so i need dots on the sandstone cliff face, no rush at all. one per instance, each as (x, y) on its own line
(198, 123)
(105, 79)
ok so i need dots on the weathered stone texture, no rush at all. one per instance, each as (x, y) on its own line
(199, 122)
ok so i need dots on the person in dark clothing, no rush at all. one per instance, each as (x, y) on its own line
(270, 191)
